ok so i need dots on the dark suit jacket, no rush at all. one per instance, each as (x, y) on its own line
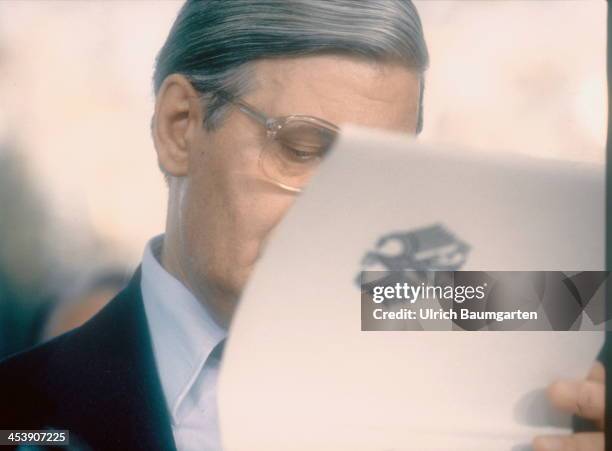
(98, 381)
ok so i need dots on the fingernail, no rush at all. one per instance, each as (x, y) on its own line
(548, 444)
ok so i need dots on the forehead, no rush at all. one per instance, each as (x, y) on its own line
(340, 89)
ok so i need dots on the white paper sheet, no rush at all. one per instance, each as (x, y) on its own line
(299, 374)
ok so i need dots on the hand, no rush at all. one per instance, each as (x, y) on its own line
(585, 398)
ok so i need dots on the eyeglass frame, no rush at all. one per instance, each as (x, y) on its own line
(273, 125)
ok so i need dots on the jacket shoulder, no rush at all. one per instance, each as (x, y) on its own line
(50, 382)
(30, 379)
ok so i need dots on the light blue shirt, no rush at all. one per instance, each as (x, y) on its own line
(184, 336)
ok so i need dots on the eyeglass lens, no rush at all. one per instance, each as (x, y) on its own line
(294, 152)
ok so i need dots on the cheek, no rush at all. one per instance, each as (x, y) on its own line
(263, 214)
(252, 212)
(229, 211)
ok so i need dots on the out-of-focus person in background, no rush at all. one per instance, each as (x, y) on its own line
(40, 296)
(81, 302)
(249, 96)
(27, 266)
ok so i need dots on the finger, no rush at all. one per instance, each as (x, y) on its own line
(587, 441)
(597, 373)
(584, 398)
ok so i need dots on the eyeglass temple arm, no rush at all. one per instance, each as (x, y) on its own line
(245, 108)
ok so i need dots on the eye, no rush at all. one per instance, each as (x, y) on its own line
(302, 155)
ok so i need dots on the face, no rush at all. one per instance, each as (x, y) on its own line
(222, 208)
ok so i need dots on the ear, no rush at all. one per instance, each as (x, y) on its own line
(177, 120)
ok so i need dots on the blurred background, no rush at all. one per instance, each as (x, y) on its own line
(80, 191)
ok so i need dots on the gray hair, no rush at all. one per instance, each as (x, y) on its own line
(212, 42)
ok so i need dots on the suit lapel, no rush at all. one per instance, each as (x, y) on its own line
(126, 407)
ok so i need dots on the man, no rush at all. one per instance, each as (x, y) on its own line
(249, 96)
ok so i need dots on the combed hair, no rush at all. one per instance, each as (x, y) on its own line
(212, 41)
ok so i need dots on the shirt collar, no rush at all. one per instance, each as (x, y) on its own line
(182, 331)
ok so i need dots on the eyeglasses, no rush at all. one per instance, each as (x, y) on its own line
(295, 145)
